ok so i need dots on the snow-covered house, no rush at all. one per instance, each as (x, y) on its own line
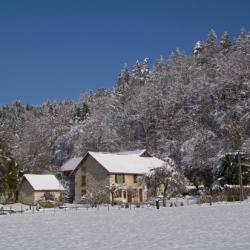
(122, 169)
(36, 187)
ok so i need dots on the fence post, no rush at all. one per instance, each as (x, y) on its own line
(240, 178)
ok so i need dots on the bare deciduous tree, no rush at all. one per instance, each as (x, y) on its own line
(165, 178)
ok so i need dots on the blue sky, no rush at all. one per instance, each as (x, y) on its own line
(57, 49)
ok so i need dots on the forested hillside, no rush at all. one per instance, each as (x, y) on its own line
(192, 108)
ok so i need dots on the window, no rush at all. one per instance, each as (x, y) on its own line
(134, 193)
(119, 178)
(83, 180)
(124, 194)
(135, 178)
(118, 194)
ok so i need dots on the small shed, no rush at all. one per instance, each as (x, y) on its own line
(37, 187)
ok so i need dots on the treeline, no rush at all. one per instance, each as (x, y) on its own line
(192, 108)
(9, 174)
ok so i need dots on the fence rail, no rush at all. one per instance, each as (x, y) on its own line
(173, 202)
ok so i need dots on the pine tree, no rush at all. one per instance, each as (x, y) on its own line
(136, 74)
(161, 65)
(197, 50)
(212, 38)
(9, 174)
(145, 71)
(228, 173)
(225, 41)
(243, 33)
(123, 80)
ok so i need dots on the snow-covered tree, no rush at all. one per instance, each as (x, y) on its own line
(166, 178)
(123, 80)
(225, 41)
(180, 108)
(197, 48)
(228, 170)
(212, 38)
(113, 189)
(96, 192)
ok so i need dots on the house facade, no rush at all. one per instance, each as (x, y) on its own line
(34, 188)
(99, 170)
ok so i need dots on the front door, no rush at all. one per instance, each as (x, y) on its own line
(129, 196)
(140, 195)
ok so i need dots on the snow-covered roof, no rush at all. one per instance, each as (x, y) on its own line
(71, 164)
(130, 162)
(135, 152)
(43, 182)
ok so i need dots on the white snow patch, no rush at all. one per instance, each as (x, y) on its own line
(182, 228)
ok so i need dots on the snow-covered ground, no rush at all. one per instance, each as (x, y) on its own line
(220, 227)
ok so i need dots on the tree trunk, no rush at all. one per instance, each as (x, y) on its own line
(112, 199)
(164, 197)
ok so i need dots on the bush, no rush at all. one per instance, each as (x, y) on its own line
(46, 204)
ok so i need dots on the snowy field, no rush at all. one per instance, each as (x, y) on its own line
(217, 227)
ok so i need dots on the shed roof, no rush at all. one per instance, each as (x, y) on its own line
(71, 164)
(44, 182)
